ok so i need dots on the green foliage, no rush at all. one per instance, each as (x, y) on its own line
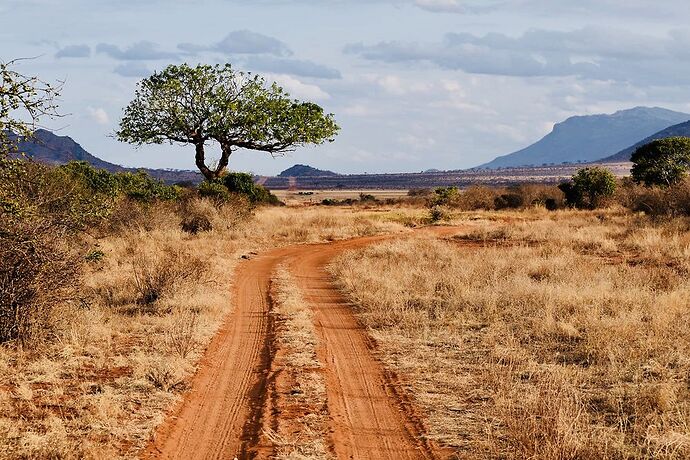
(215, 191)
(243, 184)
(196, 105)
(588, 186)
(445, 196)
(95, 255)
(437, 214)
(663, 162)
(140, 186)
(75, 194)
(29, 96)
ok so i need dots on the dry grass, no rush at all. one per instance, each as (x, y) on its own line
(545, 336)
(300, 390)
(151, 305)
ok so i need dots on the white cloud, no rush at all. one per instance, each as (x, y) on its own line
(299, 89)
(99, 115)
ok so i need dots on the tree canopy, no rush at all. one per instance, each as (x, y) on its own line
(202, 104)
(588, 186)
(24, 100)
(662, 162)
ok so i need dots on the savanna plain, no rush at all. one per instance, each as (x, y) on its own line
(510, 330)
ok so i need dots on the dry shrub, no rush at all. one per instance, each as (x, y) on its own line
(656, 201)
(162, 272)
(204, 214)
(182, 335)
(39, 278)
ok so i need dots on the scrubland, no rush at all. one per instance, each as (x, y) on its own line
(120, 349)
(535, 334)
(532, 333)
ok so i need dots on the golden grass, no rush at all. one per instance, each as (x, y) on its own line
(121, 360)
(539, 335)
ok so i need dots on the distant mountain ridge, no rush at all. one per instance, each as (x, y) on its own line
(679, 130)
(592, 137)
(306, 171)
(47, 147)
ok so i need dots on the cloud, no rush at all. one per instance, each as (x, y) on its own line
(241, 42)
(299, 89)
(133, 69)
(591, 53)
(292, 66)
(99, 115)
(139, 51)
(74, 51)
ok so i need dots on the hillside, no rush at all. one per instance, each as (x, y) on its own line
(592, 137)
(680, 130)
(49, 148)
(306, 171)
(46, 147)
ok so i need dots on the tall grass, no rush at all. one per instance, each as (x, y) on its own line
(563, 337)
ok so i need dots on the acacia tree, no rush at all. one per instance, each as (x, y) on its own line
(24, 100)
(202, 104)
(662, 162)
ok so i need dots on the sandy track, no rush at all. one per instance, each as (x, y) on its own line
(221, 417)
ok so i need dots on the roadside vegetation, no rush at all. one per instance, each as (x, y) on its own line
(549, 335)
(110, 288)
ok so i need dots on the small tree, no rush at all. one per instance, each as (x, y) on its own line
(662, 162)
(202, 104)
(24, 100)
(588, 186)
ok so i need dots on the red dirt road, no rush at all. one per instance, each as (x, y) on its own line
(221, 417)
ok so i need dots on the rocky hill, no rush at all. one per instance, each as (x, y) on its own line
(47, 147)
(679, 130)
(306, 171)
(592, 137)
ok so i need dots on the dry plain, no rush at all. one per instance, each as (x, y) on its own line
(366, 332)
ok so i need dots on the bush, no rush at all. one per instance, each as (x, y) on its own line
(140, 186)
(243, 184)
(445, 196)
(39, 276)
(657, 201)
(158, 274)
(588, 187)
(508, 201)
(214, 191)
(662, 162)
(437, 214)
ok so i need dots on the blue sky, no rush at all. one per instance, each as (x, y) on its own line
(415, 84)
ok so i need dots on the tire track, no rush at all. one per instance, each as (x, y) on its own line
(223, 414)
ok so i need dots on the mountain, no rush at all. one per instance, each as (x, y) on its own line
(592, 137)
(680, 130)
(306, 171)
(47, 147)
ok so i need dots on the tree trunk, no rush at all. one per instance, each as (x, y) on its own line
(201, 162)
(212, 174)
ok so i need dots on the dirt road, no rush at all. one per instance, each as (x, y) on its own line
(221, 417)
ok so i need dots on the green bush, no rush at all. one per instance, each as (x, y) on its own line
(140, 186)
(243, 184)
(214, 191)
(662, 162)
(588, 187)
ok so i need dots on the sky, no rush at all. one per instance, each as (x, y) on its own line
(414, 84)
